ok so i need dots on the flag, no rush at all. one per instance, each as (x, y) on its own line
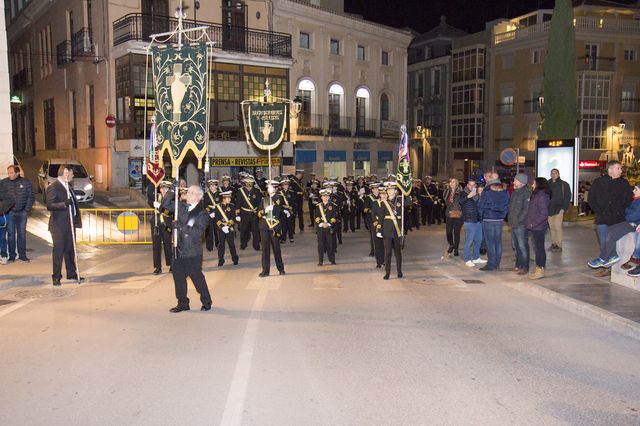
(154, 169)
(403, 177)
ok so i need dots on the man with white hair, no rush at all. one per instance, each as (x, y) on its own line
(191, 224)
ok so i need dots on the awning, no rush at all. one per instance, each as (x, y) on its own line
(306, 156)
(361, 156)
(335, 156)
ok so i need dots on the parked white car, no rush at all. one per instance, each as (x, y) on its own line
(82, 182)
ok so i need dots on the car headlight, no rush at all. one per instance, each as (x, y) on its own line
(88, 187)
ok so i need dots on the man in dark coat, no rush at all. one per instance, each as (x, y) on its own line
(247, 202)
(326, 218)
(390, 217)
(299, 189)
(269, 212)
(63, 205)
(560, 200)
(7, 201)
(192, 222)
(163, 203)
(610, 195)
(22, 192)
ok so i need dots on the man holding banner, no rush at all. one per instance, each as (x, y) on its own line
(247, 202)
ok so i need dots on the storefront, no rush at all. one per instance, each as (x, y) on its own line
(385, 163)
(335, 163)
(361, 163)
(306, 160)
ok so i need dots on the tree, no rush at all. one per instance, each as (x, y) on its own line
(560, 108)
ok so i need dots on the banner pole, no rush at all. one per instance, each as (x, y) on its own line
(175, 213)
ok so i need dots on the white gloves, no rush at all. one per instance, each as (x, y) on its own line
(225, 229)
(378, 234)
(156, 204)
(212, 215)
(268, 208)
(287, 214)
(237, 218)
(361, 191)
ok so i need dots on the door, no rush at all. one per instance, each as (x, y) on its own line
(155, 17)
(234, 25)
(591, 56)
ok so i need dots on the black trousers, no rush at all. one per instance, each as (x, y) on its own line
(429, 213)
(224, 239)
(270, 241)
(338, 232)
(359, 213)
(300, 212)
(288, 227)
(349, 220)
(311, 212)
(211, 235)
(190, 267)
(161, 241)
(392, 246)
(63, 249)
(415, 216)
(326, 244)
(372, 234)
(453, 232)
(378, 248)
(249, 230)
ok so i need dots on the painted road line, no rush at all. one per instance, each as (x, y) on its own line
(234, 406)
(15, 307)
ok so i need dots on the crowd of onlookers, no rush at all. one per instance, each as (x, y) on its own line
(16, 200)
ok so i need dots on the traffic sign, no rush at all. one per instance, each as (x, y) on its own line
(110, 121)
(509, 157)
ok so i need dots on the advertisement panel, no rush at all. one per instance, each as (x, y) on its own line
(561, 154)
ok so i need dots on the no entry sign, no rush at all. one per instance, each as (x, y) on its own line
(110, 121)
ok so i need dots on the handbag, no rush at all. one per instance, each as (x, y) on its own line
(455, 214)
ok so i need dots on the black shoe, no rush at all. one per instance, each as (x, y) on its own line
(257, 248)
(378, 266)
(170, 268)
(25, 259)
(400, 275)
(483, 251)
(10, 260)
(179, 308)
(291, 240)
(333, 263)
(220, 262)
(456, 253)
(283, 241)
(386, 277)
(235, 261)
(282, 273)
(263, 274)
(206, 307)
(486, 268)
(56, 282)
(243, 247)
(450, 249)
(371, 254)
(319, 263)
(157, 271)
(79, 280)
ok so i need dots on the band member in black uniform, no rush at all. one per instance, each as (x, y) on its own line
(314, 199)
(161, 234)
(312, 177)
(183, 194)
(225, 185)
(269, 211)
(429, 202)
(325, 219)
(298, 188)
(209, 201)
(391, 213)
(289, 209)
(225, 227)
(349, 212)
(378, 217)
(370, 201)
(362, 190)
(261, 182)
(247, 202)
(338, 199)
(415, 201)
(191, 224)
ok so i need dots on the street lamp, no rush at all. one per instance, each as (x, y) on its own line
(424, 133)
(615, 130)
(295, 107)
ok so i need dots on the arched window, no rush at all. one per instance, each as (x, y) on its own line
(336, 93)
(306, 93)
(362, 109)
(384, 107)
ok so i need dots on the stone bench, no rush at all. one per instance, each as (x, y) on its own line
(624, 248)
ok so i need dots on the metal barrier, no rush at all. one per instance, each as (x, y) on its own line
(115, 226)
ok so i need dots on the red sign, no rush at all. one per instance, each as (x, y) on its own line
(110, 121)
(591, 164)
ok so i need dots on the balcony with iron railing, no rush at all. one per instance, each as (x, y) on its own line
(64, 53)
(139, 27)
(22, 79)
(82, 42)
(338, 126)
(595, 63)
(582, 24)
(532, 106)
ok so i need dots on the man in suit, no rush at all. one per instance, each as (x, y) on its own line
(270, 209)
(192, 222)
(62, 203)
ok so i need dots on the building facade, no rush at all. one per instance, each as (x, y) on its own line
(607, 79)
(429, 99)
(74, 63)
(350, 77)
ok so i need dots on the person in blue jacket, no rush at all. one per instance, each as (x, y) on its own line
(608, 255)
(493, 207)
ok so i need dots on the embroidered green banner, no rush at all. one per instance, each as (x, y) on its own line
(180, 81)
(267, 123)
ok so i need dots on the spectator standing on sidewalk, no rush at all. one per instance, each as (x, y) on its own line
(560, 200)
(21, 191)
(493, 207)
(608, 255)
(453, 214)
(538, 222)
(7, 201)
(609, 196)
(472, 225)
(518, 208)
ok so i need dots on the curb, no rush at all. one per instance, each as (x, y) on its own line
(603, 317)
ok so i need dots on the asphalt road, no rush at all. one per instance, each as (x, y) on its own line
(330, 345)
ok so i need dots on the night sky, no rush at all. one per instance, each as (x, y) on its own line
(423, 15)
